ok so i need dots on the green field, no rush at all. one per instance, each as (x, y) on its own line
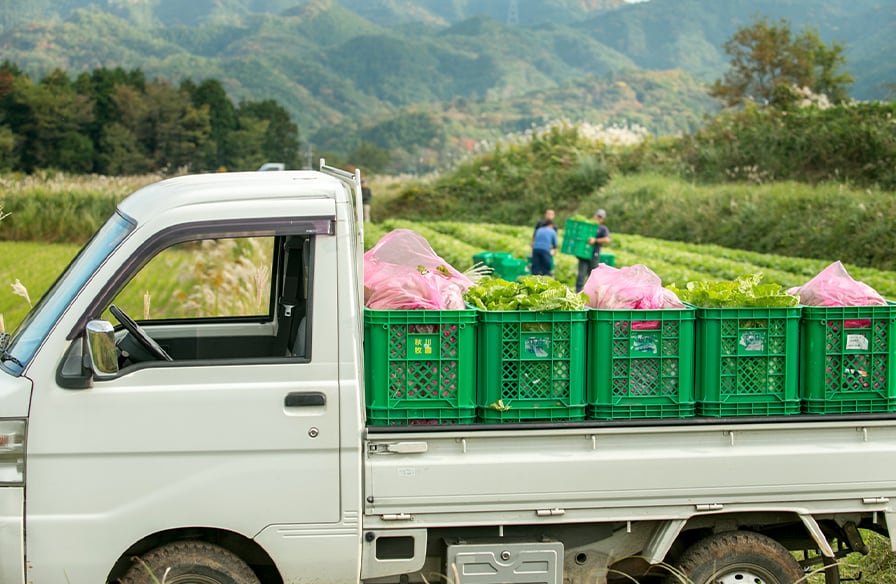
(36, 265)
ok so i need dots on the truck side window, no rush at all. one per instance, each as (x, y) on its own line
(201, 279)
(223, 298)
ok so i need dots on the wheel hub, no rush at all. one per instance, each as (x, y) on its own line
(743, 575)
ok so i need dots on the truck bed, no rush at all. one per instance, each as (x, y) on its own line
(430, 476)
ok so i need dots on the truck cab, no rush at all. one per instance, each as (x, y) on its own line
(228, 416)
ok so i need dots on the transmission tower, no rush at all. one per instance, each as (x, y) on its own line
(513, 13)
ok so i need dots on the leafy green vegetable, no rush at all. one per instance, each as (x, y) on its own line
(745, 291)
(536, 293)
(582, 218)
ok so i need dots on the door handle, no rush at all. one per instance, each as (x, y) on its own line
(305, 399)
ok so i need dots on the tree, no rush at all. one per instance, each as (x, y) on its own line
(768, 62)
(120, 153)
(281, 137)
(101, 86)
(50, 121)
(224, 147)
(371, 158)
(172, 131)
(8, 73)
(250, 136)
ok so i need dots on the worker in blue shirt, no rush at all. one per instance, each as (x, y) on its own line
(544, 246)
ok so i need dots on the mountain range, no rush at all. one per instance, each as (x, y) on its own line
(352, 71)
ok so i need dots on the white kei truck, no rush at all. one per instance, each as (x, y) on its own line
(233, 448)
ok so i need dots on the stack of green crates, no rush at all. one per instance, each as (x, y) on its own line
(531, 365)
(420, 366)
(640, 363)
(846, 359)
(747, 361)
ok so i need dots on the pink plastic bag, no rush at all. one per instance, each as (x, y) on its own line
(402, 272)
(833, 286)
(633, 287)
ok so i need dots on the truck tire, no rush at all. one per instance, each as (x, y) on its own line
(190, 562)
(738, 557)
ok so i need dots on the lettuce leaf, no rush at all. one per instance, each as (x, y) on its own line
(535, 293)
(745, 291)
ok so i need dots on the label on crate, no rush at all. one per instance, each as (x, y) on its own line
(538, 347)
(856, 343)
(644, 345)
(752, 341)
(423, 347)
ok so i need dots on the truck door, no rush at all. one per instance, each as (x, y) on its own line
(223, 418)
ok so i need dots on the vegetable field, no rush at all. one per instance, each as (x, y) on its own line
(36, 265)
(674, 262)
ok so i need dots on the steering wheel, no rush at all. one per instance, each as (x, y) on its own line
(137, 332)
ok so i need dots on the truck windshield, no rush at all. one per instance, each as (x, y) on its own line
(34, 329)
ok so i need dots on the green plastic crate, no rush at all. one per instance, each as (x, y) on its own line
(419, 366)
(846, 359)
(608, 258)
(491, 259)
(531, 365)
(575, 238)
(640, 364)
(747, 361)
(511, 268)
(419, 416)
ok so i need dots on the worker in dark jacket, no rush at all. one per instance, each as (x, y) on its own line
(601, 237)
(366, 198)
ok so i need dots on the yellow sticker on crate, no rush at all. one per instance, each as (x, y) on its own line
(423, 347)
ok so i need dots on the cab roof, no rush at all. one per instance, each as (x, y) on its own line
(201, 189)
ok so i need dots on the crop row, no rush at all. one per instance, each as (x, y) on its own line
(673, 262)
(458, 242)
(799, 268)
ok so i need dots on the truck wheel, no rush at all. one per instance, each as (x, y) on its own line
(739, 557)
(190, 562)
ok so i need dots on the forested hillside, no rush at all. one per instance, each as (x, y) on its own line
(345, 69)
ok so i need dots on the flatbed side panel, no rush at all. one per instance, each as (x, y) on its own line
(637, 473)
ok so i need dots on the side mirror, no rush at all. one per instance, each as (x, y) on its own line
(101, 349)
